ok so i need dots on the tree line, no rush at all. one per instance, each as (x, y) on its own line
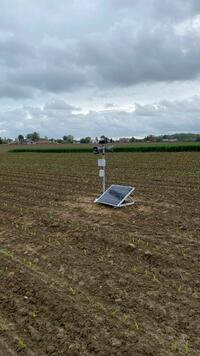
(35, 137)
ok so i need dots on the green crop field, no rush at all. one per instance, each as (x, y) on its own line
(135, 147)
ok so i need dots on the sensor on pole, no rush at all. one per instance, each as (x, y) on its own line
(116, 196)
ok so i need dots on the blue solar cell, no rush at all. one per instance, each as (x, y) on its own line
(115, 195)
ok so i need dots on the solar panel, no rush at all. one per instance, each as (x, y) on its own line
(117, 196)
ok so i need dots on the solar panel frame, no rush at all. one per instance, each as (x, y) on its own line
(121, 201)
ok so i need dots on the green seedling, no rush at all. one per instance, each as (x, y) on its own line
(7, 253)
(190, 237)
(101, 306)
(72, 291)
(27, 263)
(183, 253)
(54, 242)
(136, 325)
(114, 312)
(34, 314)
(155, 279)
(101, 259)
(3, 327)
(126, 317)
(179, 289)
(2, 272)
(174, 346)
(21, 345)
(186, 348)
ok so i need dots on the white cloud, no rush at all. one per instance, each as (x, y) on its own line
(189, 27)
(52, 120)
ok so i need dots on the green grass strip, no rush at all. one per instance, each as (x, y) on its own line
(51, 150)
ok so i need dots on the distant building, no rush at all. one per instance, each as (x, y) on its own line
(42, 141)
(124, 140)
(169, 140)
(9, 141)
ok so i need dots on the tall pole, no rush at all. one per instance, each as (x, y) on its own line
(104, 168)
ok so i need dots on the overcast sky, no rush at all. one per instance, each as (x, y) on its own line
(93, 67)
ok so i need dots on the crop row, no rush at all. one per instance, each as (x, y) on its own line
(176, 147)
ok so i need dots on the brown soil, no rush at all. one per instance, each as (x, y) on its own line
(82, 279)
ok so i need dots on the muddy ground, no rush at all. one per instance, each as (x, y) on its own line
(82, 279)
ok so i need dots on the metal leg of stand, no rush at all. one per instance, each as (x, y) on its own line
(129, 201)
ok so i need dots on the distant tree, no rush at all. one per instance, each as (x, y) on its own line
(1, 141)
(20, 138)
(132, 139)
(150, 138)
(104, 138)
(68, 139)
(35, 136)
(85, 140)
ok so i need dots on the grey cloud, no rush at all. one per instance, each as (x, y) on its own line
(109, 105)
(49, 78)
(11, 90)
(150, 110)
(192, 5)
(120, 59)
(131, 48)
(60, 104)
(13, 51)
(175, 10)
(125, 58)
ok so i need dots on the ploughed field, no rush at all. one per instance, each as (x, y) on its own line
(82, 279)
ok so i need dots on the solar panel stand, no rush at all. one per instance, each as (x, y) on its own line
(117, 196)
(127, 202)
